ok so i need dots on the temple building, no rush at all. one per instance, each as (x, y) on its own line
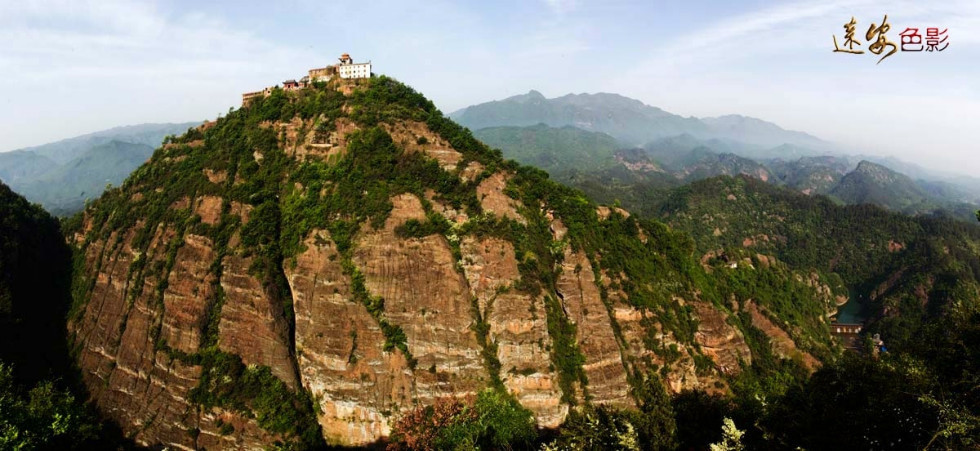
(346, 68)
(349, 69)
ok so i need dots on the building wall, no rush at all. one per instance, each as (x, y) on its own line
(322, 74)
(362, 70)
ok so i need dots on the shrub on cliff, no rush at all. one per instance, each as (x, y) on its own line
(495, 420)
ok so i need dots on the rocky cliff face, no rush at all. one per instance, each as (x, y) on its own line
(313, 265)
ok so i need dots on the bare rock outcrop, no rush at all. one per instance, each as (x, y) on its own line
(252, 323)
(131, 380)
(490, 192)
(518, 326)
(428, 298)
(719, 340)
(603, 362)
(782, 345)
(340, 350)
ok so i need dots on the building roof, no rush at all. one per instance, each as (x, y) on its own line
(289, 82)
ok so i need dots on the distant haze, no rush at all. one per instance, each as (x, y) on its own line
(73, 67)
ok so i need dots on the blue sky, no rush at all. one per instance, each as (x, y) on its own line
(76, 66)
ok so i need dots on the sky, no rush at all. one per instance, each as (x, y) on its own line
(76, 66)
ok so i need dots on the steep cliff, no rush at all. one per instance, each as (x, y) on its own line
(310, 267)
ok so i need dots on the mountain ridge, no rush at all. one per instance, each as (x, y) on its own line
(624, 118)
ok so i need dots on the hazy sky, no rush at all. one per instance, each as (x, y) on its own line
(76, 66)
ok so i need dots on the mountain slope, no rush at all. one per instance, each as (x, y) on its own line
(872, 183)
(552, 149)
(64, 189)
(312, 267)
(750, 130)
(69, 149)
(62, 175)
(810, 175)
(41, 407)
(34, 276)
(918, 278)
(19, 165)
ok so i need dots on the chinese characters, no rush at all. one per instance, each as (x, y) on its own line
(911, 40)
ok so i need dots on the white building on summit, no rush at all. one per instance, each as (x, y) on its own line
(349, 69)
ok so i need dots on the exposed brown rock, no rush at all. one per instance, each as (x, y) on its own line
(428, 298)
(519, 327)
(782, 345)
(216, 176)
(131, 382)
(603, 363)
(188, 289)
(604, 212)
(209, 209)
(490, 266)
(894, 246)
(181, 204)
(252, 323)
(323, 146)
(407, 135)
(340, 352)
(720, 340)
(243, 211)
(493, 200)
(447, 211)
(471, 171)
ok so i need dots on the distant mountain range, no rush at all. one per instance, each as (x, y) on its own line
(62, 175)
(592, 161)
(630, 121)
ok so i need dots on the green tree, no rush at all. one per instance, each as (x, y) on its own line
(731, 437)
(655, 421)
(45, 417)
(495, 420)
(597, 428)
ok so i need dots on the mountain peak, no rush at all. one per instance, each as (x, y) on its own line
(876, 170)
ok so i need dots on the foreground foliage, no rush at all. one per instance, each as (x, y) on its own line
(43, 417)
(494, 420)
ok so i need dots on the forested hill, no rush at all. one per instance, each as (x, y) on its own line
(856, 241)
